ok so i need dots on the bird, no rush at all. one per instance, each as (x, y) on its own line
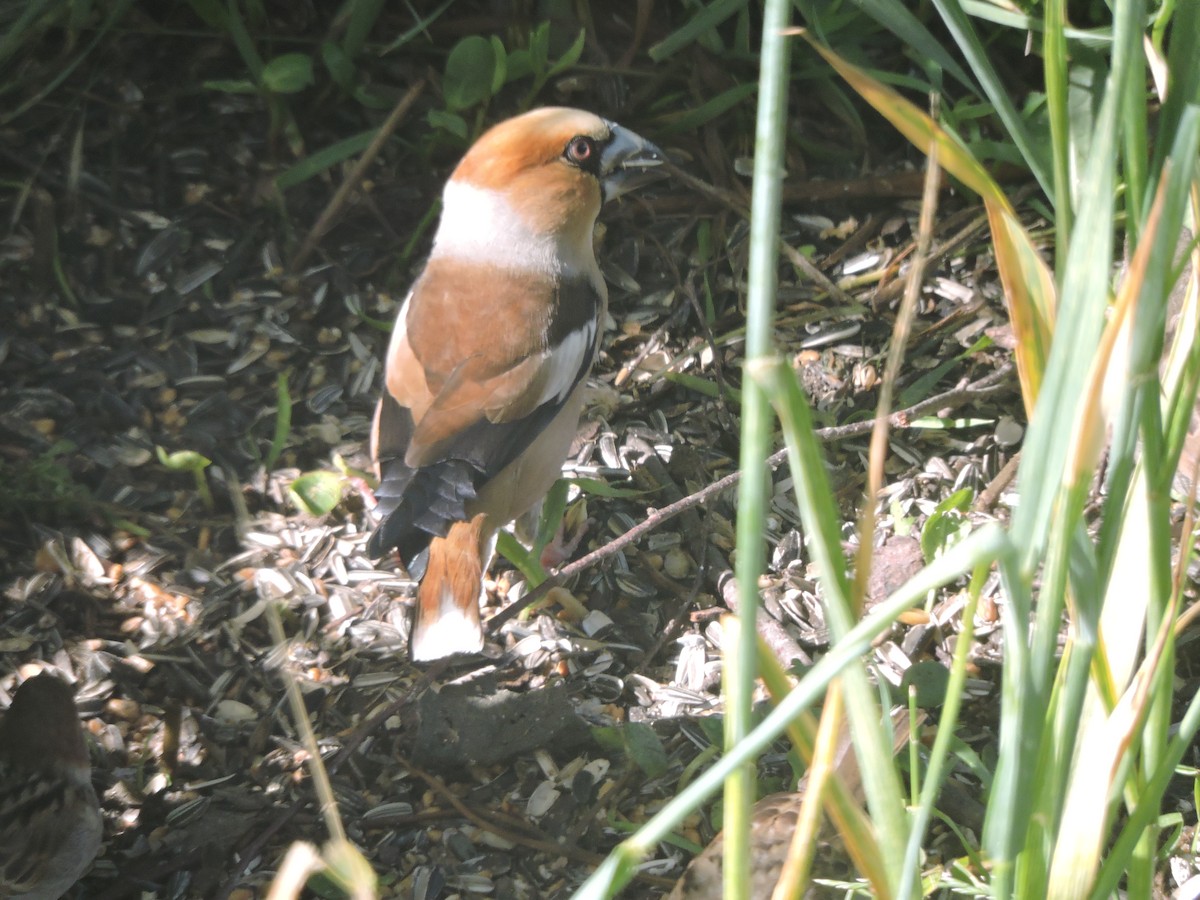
(50, 822)
(486, 365)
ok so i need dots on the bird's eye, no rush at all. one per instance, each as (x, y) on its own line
(581, 150)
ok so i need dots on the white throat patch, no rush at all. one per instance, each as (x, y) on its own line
(479, 225)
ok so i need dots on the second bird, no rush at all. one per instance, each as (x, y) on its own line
(485, 370)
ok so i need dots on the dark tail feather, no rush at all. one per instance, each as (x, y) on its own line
(417, 506)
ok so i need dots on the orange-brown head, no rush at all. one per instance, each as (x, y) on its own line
(528, 192)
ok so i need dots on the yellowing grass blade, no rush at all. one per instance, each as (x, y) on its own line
(1110, 363)
(843, 802)
(1028, 283)
(914, 124)
(1123, 614)
(1187, 327)
(1029, 293)
(1085, 820)
(1105, 738)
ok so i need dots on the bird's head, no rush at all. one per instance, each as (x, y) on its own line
(543, 176)
(41, 728)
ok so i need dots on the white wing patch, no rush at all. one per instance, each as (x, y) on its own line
(565, 361)
(400, 328)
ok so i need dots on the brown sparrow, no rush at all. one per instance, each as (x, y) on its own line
(50, 822)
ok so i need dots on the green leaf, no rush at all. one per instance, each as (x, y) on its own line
(469, 68)
(501, 66)
(525, 562)
(347, 868)
(713, 728)
(519, 65)
(609, 738)
(639, 742)
(211, 12)
(569, 58)
(946, 523)
(363, 14)
(371, 98)
(60, 448)
(288, 74)
(539, 48)
(706, 19)
(416, 29)
(445, 121)
(903, 523)
(231, 86)
(20, 26)
(645, 748)
(930, 680)
(183, 460)
(130, 526)
(340, 66)
(317, 493)
(598, 488)
(693, 118)
(243, 41)
(922, 387)
(316, 163)
(703, 386)
(994, 85)
(283, 421)
(554, 506)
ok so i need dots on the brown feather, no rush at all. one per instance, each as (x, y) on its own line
(448, 598)
(453, 374)
(50, 822)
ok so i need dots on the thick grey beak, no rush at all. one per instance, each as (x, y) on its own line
(628, 162)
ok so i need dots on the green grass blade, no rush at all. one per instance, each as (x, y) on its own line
(819, 514)
(362, 17)
(996, 90)
(283, 421)
(980, 548)
(898, 19)
(1028, 286)
(1056, 62)
(324, 159)
(757, 427)
(20, 31)
(706, 18)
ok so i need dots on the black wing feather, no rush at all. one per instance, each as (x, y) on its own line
(418, 504)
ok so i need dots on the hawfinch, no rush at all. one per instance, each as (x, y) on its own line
(485, 370)
(50, 822)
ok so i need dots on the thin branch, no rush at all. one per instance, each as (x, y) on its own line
(655, 518)
(334, 207)
(737, 205)
(365, 728)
